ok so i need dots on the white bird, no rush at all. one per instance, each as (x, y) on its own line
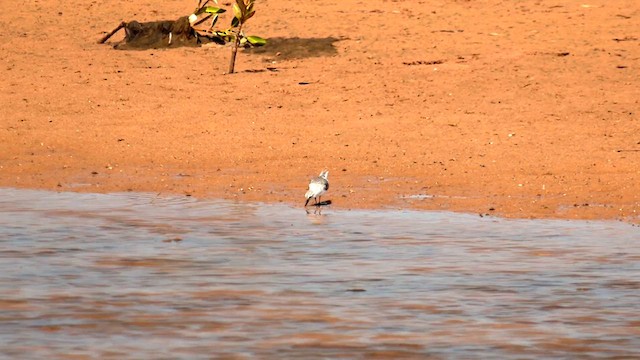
(317, 187)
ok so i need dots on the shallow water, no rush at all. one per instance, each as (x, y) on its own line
(141, 276)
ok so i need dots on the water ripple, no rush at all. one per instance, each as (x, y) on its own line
(141, 276)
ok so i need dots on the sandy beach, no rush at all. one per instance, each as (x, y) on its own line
(524, 110)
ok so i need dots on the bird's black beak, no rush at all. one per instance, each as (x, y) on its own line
(306, 202)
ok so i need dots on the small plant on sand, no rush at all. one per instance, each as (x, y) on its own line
(243, 10)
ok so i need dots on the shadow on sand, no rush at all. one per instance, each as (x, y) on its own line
(278, 48)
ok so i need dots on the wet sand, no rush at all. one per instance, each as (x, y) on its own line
(528, 110)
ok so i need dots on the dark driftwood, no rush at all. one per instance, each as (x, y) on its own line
(158, 34)
(166, 33)
(106, 37)
(161, 34)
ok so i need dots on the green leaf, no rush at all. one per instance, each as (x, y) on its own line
(256, 40)
(249, 15)
(237, 12)
(235, 22)
(214, 20)
(214, 10)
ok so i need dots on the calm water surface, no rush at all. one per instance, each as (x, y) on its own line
(141, 276)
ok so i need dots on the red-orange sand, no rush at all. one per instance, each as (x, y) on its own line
(526, 109)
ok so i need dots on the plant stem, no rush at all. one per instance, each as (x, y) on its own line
(234, 50)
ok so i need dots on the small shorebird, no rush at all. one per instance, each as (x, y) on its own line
(317, 186)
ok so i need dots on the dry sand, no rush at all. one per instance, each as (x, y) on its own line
(522, 109)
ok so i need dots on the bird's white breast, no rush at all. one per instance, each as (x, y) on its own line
(316, 189)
